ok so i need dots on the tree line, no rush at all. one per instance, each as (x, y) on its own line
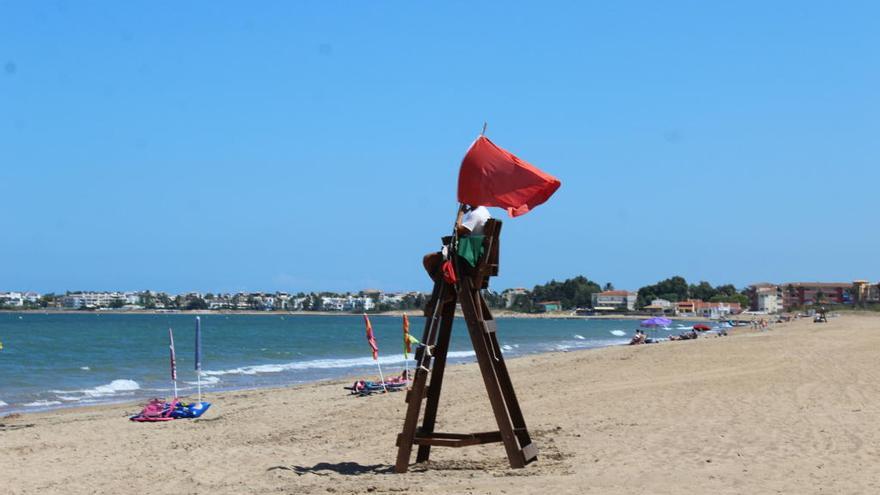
(578, 292)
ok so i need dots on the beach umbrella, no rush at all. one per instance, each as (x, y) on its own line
(173, 360)
(656, 322)
(371, 339)
(198, 356)
(701, 327)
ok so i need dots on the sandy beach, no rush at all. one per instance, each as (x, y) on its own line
(792, 410)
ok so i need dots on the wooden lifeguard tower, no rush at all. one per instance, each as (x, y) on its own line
(431, 360)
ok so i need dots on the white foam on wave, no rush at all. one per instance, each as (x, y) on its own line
(112, 388)
(579, 337)
(206, 380)
(319, 364)
(84, 368)
(42, 403)
(3, 404)
(618, 333)
(507, 347)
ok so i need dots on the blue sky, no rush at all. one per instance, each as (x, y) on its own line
(315, 146)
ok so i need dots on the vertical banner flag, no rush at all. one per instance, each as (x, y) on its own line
(371, 339)
(173, 361)
(407, 338)
(406, 348)
(198, 343)
(492, 176)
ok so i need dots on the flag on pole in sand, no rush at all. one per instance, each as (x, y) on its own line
(492, 176)
(198, 356)
(408, 339)
(371, 339)
(173, 360)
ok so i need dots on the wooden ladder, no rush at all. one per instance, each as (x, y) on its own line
(431, 360)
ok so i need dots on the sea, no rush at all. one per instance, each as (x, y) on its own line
(51, 361)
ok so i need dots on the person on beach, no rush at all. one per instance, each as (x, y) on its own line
(472, 223)
(638, 338)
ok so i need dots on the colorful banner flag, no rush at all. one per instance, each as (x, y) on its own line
(173, 360)
(491, 176)
(198, 343)
(407, 338)
(371, 339)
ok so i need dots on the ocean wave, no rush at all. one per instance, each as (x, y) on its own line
(507, 347)
(206, 380)
(591, 344)
(3, 404)
(84, 368)
(618, 333)
(42, 403)
(579, 337)
(112, 388)
(319, 364)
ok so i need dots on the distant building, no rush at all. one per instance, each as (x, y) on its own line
(660, 306)
(807, 293)
(697, 307)
(766, 298)
(347, 303)
(510, 295)
(688, 307)
(547, 306)
(611, 300)
(14, 299)
(717, 309)
(77, 300)
(865, 292)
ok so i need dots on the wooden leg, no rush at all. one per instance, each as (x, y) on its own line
(447, 316)
(470, 302)
(516, 415)
(415, 396)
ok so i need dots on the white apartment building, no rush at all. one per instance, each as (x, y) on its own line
(15, 299)
(768, 300)
(76, 300)
(614, 299)
(348, 303)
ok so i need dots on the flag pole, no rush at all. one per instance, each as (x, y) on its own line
(381, 376)
(371, 339)
(198, 355)
(173, 364)
(405, 354)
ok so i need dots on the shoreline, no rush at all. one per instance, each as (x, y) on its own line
(342, 379)
(497, 313)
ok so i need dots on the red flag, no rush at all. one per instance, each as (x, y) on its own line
(371, 339)
(406, 347)
(491, 176)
